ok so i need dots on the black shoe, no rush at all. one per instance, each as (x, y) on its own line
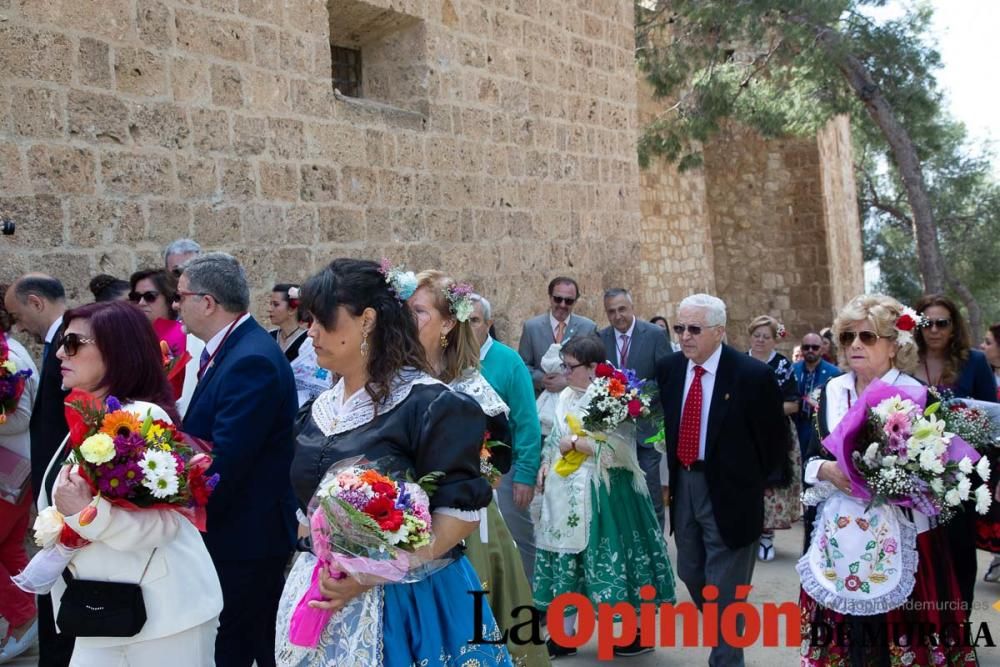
(633, 649)
(557, 651)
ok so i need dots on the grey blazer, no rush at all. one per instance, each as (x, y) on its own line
(536, 337)
(649, 344)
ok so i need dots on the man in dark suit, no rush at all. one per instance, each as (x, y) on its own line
(557, 325)
(633, 343)
(38, 302)
(245, 403)
(725, 432)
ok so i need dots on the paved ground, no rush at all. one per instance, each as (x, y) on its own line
(774, 581)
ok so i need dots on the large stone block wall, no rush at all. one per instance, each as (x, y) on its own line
(127, 123)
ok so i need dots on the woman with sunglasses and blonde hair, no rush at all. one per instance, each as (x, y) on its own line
(872, 348)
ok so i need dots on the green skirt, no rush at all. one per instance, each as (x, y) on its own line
(625, 551)
(501, 572)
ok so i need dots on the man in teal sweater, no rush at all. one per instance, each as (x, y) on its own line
(504, 369)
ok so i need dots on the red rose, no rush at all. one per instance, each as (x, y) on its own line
(618, 375)
(905, 323)
(604, 370)
(634, 408)
(384, 511)
(384, 489)
(78, 426)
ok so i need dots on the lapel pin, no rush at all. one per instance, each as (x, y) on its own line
(726, 397)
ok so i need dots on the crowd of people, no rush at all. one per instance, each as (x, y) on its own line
(370, 362)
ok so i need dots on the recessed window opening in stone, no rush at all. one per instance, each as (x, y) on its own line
(391, 64)
(346, 70)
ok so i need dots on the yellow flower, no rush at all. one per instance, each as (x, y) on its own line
(9, 366)
(98, 448)
(154, 433)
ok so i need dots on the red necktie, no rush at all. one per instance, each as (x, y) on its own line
(687, 442)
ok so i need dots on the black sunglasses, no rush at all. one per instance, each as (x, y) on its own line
(569, 301)
(940, 323)
(148, 297)
(867, 338)
(179, 296)
(72, 342)
(807, 348)
(693, 329)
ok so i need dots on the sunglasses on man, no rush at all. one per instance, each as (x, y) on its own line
(72, 342)
(148, 297)
(567, 300)
(940, 323)
(810, 348)
(693, 329)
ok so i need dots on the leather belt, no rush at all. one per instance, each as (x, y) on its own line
(696, 466)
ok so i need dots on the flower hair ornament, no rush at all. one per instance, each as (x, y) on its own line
(459, 300)
(401, 283)
(782, 331)
(293, 297)
(906, 323)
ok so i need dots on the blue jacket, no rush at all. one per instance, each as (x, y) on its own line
(803, 418)
(245, 404)
(976, 380)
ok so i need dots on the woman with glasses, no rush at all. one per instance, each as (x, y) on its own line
(442, 308)
(154, 291)
(159, 548)
(597, 533)
(948, 363)
(782, 507)
(871, 348)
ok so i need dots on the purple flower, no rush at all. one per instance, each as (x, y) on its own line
(130, 446)
(212, 482)
(354, 498)
(113, 404)
(118, 481)
(890, 546)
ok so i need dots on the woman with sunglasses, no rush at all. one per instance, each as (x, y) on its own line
(948, 363)
(871, 348)
(159, 548)
(782, 506)
(153, 292)
(597, 533)
(442, 308)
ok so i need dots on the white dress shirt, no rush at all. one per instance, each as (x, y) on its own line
(484, 349)
(620, 342)
(51, 333)
(213, 344)
(711, 367)
(554, 323)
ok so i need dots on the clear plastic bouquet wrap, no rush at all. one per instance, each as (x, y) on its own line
(370, 524)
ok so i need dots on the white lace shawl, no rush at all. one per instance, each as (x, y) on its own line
(472, 383)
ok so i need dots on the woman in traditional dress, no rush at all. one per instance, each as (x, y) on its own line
(874, 349)
(386, 405)
(988, 527)
(283, 311)
(782, 506)
(948, 363)
(597, 533)
(442, 308)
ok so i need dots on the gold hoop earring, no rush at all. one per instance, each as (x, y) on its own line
(364, 344)
(444, 341)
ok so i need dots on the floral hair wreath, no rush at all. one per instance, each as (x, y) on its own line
(401, 283)
(293, 297)
(906, 323)
(459, 300)
(782, 331)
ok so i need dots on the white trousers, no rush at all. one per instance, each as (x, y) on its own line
(194, 647)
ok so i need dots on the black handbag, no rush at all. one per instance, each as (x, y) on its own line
(102, 608)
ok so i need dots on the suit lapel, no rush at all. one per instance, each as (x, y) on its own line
(238, 333)
(720, 398)
(675, 398)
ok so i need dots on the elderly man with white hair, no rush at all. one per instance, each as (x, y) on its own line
(506, 372)
(179, 252)
(725, 432)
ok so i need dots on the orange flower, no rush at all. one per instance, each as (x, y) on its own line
(616, 388)
(370, 477)
(120, 422)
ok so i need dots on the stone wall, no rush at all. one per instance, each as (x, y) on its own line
(127, 123)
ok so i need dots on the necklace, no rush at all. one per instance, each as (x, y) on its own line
(285, 340)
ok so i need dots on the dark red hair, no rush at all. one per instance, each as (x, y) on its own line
(131, 353)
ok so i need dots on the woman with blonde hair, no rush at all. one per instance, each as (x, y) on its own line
(782, 507)
(442, 308)
(875, 344)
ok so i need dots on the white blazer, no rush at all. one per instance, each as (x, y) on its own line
(181, 588)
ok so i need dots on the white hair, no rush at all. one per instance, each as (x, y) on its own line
(181, 247)
(487, 308)
(715, 308)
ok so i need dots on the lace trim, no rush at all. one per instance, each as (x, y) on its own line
(333, 415)
(896, 598)
(475, 385)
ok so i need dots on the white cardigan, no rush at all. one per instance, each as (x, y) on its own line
(181, 588)
(14, 434)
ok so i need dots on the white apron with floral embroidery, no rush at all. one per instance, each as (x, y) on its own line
(862, 561)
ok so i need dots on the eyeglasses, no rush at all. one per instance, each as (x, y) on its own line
(177, 271)
(569, 368)
(72, 342)
(569, 301)
(693, 329)
(867, 338)
(810, 348)
(940, 323)
(179, 296)
(148, 297)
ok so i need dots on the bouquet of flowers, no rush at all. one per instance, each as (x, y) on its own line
(976, 422)
(12, 381)
(897, 451)
(367, 525)
(616, 396)
(132, 463)
(173, 366)
(486, 467)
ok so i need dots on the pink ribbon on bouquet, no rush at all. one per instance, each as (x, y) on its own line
(843, 440)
